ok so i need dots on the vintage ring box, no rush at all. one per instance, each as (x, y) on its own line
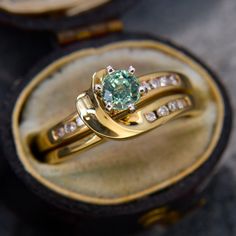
(117, 185)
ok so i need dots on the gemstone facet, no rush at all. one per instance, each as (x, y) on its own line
(173, 80)
(60, 132)
(164, 81)
(150, 116)
(163, 111)
(173, 106)
(154, 83)
(181, 103)
(121, 89)
(70, 127)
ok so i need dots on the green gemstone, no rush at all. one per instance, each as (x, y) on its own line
(121, 89)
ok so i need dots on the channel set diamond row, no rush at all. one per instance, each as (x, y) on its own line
(167, 109)
(68, 128)
(162, 81)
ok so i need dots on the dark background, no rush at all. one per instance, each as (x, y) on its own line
(205, 27)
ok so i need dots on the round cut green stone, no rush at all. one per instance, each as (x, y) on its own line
(121, 89)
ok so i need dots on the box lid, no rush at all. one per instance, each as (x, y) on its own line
(62, 15)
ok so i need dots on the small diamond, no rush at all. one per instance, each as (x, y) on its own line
(60, 132)
(173, 106)
(79, 122)
(70, 127)
(150, 116)
(173, 80)
(181, 103)
(164, 81)
(163, 111)
(154, 83)
(146, 85)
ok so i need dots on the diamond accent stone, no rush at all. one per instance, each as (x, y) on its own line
(60, 132)
(70, 127)
(173, 80)
(146, 85)
(163, 111)
(79, 121)
(181, 103)
(154, 83)
(150, 116)
(173, 106)
(163, 81)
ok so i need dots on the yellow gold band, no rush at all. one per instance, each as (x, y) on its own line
(165, 96)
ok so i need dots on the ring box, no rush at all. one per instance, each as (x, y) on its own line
(125, 185)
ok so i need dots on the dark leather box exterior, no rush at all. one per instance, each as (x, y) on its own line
(111, 10)
(42, 207)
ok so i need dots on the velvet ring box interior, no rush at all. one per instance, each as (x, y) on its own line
(117, 179)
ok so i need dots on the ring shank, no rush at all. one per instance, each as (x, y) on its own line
(92, 124)
(66, 152)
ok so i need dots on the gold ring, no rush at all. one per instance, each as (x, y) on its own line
(118, 105)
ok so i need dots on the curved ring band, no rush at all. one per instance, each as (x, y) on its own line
(163, 97)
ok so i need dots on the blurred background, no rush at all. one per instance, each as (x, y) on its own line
(205, 27)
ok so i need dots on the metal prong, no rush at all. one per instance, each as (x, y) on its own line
(98, 87)
(131, 70)
(110, 70)
(109, 106)
(131, 107)
(142, 90)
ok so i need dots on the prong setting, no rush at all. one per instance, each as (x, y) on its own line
(109, 106)
(120, 88)
(142, 90)
(98, 88)
(131, 107)
(131, 70)
(110, 70)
